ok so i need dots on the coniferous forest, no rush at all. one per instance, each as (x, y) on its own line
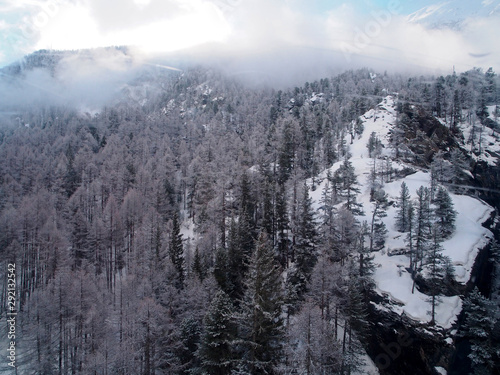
(199, 225)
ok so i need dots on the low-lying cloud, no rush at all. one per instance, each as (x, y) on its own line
(360, 30)
(86, 81)
(383, 35)
(277, 42)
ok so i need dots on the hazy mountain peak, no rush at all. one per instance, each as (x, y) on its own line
(453, 14)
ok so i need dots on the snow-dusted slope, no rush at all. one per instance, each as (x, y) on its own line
(391, 276)
(454, 13)
(484, 145)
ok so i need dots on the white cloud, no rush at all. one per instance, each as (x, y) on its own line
(93, 25)
(383, 39)
(249, 27)
(12, 5)
(116, 15)
(425, 12)
(72, 28)
(263, 25)
(142, 3)
(408, 44)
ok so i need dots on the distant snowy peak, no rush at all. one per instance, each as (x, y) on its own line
(425, 13)
(452, 14)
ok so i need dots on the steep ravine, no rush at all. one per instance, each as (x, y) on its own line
(400, 346)
(481, 277)
(488, 179)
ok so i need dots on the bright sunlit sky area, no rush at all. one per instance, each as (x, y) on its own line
(423, 33)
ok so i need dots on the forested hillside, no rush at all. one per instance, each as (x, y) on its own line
(196, 225)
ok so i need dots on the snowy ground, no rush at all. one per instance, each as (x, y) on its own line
(486, 145)
(369, 368)
(391, 277)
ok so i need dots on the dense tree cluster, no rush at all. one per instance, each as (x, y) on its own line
(176, 235)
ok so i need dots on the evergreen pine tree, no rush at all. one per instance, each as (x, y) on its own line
(478, 328)
(282, 225)
(378, 229)
(490, 86)
(237, 262)
(444, 213)
(286, 153)
(436, 272)
(261, 327)
(176, 251)
(216, 351)
(482, 110)
(190, 335)
(306, 245)
(198, 268)
(222, 271)
(404, 202)
(349, 186)
(306, 234)
(422, 224)
(329, 156)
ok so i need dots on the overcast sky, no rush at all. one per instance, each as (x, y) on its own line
(419, 33)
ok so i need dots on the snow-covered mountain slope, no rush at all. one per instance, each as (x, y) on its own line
(391, 276)
(483, 142)
(453, 13)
